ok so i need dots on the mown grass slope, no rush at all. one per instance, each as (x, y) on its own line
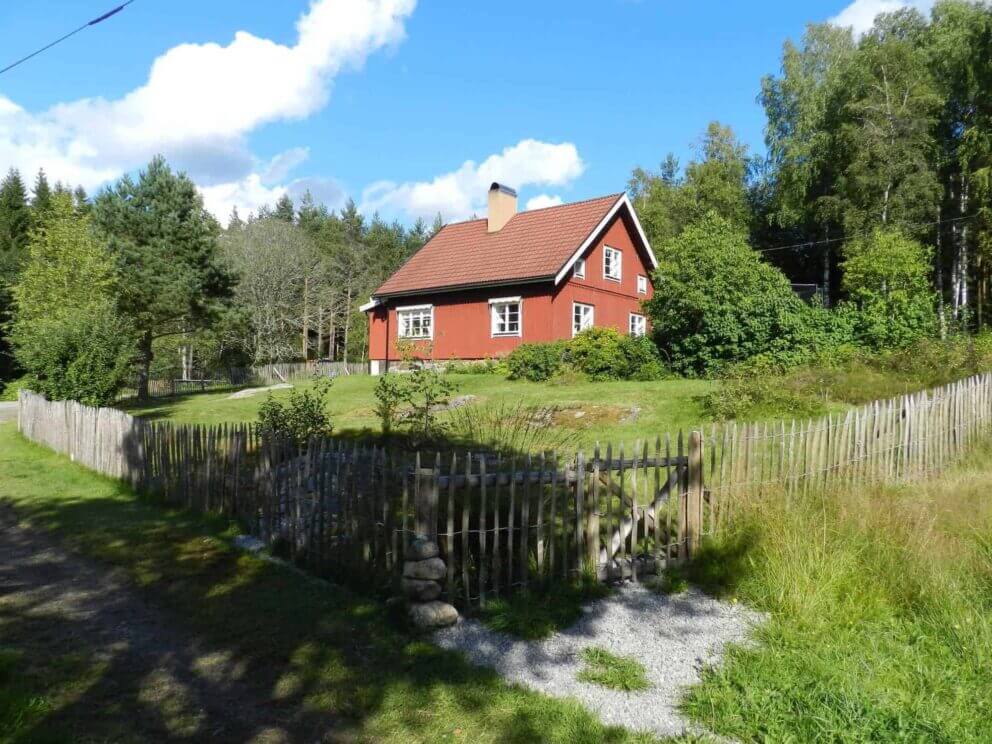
(606, 408)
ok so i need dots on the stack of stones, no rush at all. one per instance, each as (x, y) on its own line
(423, 571)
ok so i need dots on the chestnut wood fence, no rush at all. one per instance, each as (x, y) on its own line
(348, 510)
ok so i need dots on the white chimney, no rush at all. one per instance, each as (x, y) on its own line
(502, 206)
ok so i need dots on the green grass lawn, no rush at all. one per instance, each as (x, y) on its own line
(881, 615)
(664, 406)
(316, 647)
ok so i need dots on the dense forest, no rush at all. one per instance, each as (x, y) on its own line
(892, 130)
(875, 186)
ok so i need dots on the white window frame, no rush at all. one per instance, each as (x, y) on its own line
(607, 252)
(579, 270)
(494, 319)
(592, 317)
(642, 284)
(642, 324)
(401, 311)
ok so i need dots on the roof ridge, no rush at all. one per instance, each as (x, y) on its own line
(573, 204)
(617, 195)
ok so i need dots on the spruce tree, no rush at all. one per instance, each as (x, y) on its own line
(15, 223)
(42, 201)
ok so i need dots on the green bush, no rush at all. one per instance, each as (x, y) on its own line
(298, 419)
(599, 354)
(887, 279)
(480, 367)
(536, 362)
(88, 357)
(596, 354)
(719, 303)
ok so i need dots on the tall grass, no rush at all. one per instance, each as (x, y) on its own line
(881, 615)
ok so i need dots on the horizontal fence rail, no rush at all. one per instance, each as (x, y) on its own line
(227, 377)
(507, 521)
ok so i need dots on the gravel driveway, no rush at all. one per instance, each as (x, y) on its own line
(672, 636)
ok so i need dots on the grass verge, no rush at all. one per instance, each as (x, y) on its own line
(317, 648)
(881, 615)
(614, 672)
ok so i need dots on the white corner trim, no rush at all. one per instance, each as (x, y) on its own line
(501, 300)
(624, 200)
(371, 304)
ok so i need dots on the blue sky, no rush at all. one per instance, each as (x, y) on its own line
(408, 107)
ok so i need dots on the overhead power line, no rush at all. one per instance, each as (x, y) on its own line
(826, 241)
(95, 21)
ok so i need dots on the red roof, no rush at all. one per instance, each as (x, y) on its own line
(532, 245)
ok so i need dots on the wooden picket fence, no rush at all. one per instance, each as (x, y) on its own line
(228, 377)
(506, 521)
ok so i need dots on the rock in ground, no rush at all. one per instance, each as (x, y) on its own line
(430, 615)
(249, 392)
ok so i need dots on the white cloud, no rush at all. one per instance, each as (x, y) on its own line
(285, 162)
(543, 200)
(200, 102)
(861, 14)
(460, 193)
(248, 195)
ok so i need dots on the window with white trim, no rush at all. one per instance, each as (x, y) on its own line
(642, 284)
(580, 268)
(612, 259)
(415, 322)
(638, 325)
(505, 316)
(583, 317)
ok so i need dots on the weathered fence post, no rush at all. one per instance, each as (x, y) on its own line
(694, 499)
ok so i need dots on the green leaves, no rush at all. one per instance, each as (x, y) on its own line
(719, 303)
(887, 278)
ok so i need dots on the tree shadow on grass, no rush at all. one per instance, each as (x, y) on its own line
(278, 656)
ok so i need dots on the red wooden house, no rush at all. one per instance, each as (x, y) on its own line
(478, 289)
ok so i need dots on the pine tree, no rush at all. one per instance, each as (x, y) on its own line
(165, 243)
(234, 222)
(285, 210)
(438, 224)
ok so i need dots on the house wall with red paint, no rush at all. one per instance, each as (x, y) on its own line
(613, 301)
(462, 325)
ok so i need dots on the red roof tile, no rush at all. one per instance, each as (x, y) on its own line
(532, 245)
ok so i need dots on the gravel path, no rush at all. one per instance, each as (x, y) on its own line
(8, 412)
(672, 636)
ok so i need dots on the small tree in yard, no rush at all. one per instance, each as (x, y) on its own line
(389, 396)
(425, 391)
(66, 332)
(299, 419)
